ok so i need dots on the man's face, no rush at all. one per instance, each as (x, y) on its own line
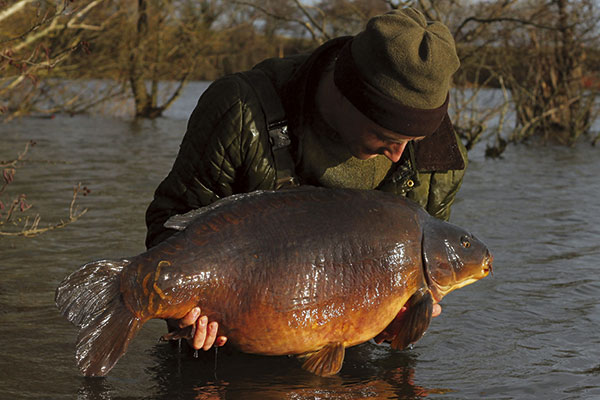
(365, 139)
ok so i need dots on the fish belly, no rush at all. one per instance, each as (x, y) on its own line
(287, 272)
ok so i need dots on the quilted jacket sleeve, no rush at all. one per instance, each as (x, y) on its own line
(437, 190)
(225, 150)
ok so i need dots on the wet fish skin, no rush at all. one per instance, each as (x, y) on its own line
(304, 271)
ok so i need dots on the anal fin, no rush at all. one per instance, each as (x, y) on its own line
(327, 361)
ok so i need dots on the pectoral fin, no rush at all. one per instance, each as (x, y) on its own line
(415, 320)
(327, 361)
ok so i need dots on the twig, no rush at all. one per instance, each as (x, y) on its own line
(30, 230)
(539, 117)
(13, 163)
(13, 9)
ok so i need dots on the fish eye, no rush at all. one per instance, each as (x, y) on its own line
(464, 242)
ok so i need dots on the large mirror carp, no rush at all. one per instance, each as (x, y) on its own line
(307, 271)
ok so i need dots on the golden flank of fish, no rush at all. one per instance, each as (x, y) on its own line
(308, 272)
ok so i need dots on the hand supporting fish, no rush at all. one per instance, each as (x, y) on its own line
(203, 334)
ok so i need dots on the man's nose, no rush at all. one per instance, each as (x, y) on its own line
(393, 151)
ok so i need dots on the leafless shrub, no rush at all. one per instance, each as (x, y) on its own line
(14, 217)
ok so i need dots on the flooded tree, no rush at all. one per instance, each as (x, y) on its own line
(547, 85)
(150, 53)
(176, 40)
(40, 40)
(535, 52)
(537, 55)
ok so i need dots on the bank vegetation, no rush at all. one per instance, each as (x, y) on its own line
(541, 56)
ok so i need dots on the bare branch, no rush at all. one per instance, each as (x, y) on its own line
(13, 163)
(55, 25)
(308, 26)
(182, 83)
(521, 132)
(31, 229)
(503, 19)
(311, 20)
(13, 9)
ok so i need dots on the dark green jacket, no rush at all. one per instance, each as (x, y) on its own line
(226, 148)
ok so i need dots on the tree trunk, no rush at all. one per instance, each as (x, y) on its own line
(145, 101)
(136, 73)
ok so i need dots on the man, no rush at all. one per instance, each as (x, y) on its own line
(367, 112)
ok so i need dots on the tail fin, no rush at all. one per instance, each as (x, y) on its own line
(91, 299)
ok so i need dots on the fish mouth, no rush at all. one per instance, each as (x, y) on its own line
(487, 264)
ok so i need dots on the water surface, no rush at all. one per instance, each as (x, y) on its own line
(530, 331)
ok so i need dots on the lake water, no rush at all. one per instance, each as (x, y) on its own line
(529, 332)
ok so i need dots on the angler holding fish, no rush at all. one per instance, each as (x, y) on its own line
(362, 116)
(364, 112)
(306, 272)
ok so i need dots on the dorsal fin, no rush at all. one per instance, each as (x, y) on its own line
(181, 221)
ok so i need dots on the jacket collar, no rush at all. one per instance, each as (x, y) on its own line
(299, 92)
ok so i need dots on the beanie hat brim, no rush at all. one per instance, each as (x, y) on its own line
(384, 110)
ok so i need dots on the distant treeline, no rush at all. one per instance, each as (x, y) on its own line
(241, 49)
(545, 56)
(233, 54)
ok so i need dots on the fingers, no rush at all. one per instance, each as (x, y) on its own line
(211, 335)
(190, 318)
(437, 310)
(221, 340)
(205, 335)
(200, 334)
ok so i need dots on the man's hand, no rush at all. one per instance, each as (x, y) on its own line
(437, 310)
(205, 333)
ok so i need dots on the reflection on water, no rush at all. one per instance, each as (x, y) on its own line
(369, 373)
(530, 331)
(244, 376)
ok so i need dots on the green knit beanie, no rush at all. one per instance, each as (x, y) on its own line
(403, 60)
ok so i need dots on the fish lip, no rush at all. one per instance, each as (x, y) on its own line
(489, 269)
